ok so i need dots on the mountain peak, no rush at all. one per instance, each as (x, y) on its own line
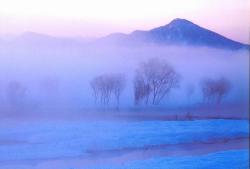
(180, 32)
(180, 22)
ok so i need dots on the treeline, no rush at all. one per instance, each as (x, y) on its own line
(154, 80)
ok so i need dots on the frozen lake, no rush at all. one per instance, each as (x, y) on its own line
(70, 144)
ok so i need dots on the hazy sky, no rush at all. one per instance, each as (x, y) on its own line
(94, 18)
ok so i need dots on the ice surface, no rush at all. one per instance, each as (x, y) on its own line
(235, 159)
(40, 140)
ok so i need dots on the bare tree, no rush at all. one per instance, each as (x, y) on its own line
(101, 88)
(214, 90)
(223, 87)
(154, 78)
(118, 86)
(95, 87)
(106, 85)
(15, 93)
(142, 90)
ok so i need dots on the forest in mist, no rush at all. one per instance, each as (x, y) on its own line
(42, 75)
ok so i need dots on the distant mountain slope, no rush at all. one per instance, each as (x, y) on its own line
(177, 32)
(37, 40)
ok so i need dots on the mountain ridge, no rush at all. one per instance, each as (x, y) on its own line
(177, 32)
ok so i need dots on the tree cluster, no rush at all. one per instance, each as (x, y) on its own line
(154, 80)
(15, 93)
(214, 90)
(107, 85)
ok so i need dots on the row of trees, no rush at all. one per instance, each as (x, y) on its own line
(153, 81)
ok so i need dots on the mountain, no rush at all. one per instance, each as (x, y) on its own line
(177, 32)
(38, 40)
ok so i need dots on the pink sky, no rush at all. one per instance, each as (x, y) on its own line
(98, 18)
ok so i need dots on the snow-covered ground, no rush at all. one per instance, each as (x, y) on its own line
(39, 141)
(235, 159)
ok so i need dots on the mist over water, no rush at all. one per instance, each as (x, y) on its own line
(58, 76)
(49, 118)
